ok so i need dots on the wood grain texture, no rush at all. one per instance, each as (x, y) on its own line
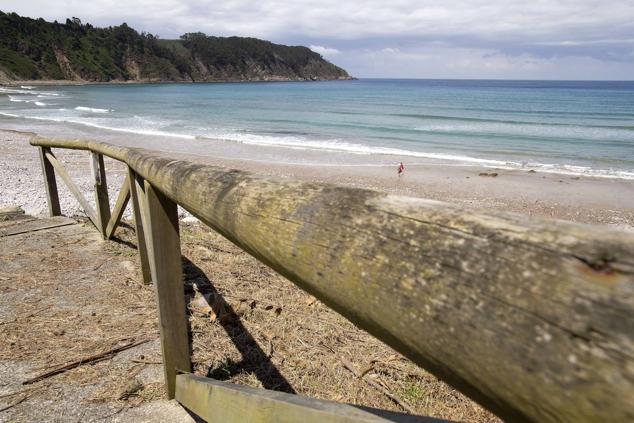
(102, 201)
(137, 194)
(162, 234)
(532, 318)
(217, 401)
(119, 207)
(50, 184)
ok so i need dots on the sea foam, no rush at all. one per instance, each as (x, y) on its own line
(339, 146)
(92, 109)
(538, 129)
(9, 90)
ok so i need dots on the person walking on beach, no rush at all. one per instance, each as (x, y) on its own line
(401, 169)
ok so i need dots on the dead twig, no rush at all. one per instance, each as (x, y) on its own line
(213, 247)
(36, 312)
(97, 267)
(72, 242)
(28, 316)
(14, 403)
(22, 391)
(85, 360)
(134, 360)
(10, 394)
(376, 385)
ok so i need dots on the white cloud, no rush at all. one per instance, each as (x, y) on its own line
(456, 62)
(586, 43)
(474, 38)
(325, 51)
(334, 19)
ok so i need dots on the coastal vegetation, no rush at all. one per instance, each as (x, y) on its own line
(34, 49)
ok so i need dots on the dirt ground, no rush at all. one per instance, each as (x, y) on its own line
(66, 294)
(268, 333)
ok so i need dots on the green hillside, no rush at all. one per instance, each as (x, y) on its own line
(33, 49)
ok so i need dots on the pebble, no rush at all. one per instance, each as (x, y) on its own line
(22, 183)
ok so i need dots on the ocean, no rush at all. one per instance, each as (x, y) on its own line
(569, 127)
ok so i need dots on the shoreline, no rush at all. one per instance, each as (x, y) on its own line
(322, 156)
(579, 199)
(57, 115)
(68, 82)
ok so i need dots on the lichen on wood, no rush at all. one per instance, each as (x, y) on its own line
(532, 318)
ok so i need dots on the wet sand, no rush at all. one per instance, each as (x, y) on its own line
(575, 198)
(579, 199)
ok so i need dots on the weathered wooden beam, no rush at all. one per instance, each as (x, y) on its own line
(137, 194)
(61, 171)
(119, 207)
(50, 183)
(217, 401)
(162, 234)
(101, 192)
(533, 318)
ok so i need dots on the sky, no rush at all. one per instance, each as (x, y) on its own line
(497, 39)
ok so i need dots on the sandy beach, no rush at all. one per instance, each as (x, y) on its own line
(580, 199)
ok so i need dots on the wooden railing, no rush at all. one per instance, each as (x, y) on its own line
(532, 318)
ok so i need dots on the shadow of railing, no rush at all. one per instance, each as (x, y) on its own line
(476, 298)
(254, 359)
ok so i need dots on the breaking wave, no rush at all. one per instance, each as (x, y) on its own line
(92, 109)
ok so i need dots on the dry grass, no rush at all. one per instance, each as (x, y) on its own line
(71, 296)
(248, 325)
(252, 326)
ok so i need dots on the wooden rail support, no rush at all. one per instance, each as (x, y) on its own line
(50, 183)
(162, 235)
(101, 192)
(119, 207)
(63, 173)
(137, 194)
(217, 401)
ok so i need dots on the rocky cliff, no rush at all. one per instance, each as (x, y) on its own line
(33, 49)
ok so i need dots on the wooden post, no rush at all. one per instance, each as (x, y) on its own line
(137, 194)
(101, 192)
(162, 235)
(50, 183)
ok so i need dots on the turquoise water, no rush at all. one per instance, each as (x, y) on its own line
(568, 127)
